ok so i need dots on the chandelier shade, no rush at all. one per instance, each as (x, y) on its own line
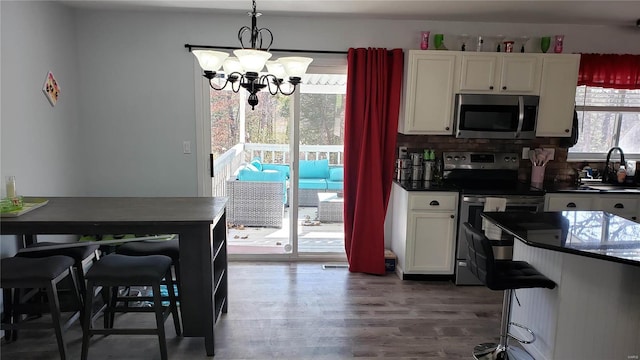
(252, 60)
(210, 60)
(245, 70)
(295, 66)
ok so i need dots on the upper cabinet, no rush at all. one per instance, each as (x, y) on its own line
(557, 94)
(433, 77)
(428, 93)
(500, 73)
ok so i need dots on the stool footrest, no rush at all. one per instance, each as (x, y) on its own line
(533, 336)
(131, 331)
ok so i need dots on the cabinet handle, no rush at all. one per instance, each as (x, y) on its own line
(504, 88)
(490, 87)
(566, 130)
(447, 128)
(434, 203)
(452, 216)
(618, 206)
(634, 218)
(571, 205)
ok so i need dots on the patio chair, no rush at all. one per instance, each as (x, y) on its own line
(255, 203)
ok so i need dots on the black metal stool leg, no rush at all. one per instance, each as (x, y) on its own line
(157, 300)
(54, 303)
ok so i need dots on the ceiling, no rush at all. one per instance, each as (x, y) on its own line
(615, 13)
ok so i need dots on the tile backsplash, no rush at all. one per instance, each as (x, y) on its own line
(558, 170)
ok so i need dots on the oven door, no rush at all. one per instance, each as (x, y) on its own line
(471, 208)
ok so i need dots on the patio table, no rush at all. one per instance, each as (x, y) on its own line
(330, 207)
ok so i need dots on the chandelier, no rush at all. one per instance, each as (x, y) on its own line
(244, 70)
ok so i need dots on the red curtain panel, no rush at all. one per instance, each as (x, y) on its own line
(374, 84)
(613, 71)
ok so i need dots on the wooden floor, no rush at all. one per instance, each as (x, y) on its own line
(301, 311)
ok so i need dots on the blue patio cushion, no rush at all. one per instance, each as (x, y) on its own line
(257, 163)
(313, 184)
(336, 174)
(280, 167)
(334, 185)
(314, 169)
(266, 175)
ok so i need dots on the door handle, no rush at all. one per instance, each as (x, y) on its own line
(520, 115)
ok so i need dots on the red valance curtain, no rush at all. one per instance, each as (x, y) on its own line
(612, 71)
(374, 83)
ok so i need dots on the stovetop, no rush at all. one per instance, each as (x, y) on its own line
(497, 188)
(481, 173)
(510, 188)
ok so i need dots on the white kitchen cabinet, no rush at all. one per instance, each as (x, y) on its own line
(557, 94)
(563, 201)
(428, 93)
(423, 231)
(500, 73)
(627, 206)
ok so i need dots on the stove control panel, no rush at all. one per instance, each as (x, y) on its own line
(453, 160)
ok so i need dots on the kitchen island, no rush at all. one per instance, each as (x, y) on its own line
(594, 258)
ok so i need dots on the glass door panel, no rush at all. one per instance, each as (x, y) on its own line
(253, 151)
(321, 164)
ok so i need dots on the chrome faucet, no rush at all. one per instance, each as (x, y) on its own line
(609, 171)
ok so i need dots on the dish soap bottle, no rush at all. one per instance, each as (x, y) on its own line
(622, 174)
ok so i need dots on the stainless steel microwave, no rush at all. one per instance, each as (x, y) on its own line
(496, 116)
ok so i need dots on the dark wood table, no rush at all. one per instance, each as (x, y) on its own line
(200, 223)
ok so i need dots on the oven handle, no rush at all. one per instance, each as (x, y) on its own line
(520, 115)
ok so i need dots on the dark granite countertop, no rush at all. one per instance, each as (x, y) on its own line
(596, 234)
(426, 186)
(591, 188)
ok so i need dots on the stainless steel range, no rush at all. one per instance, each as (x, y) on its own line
(478, 176)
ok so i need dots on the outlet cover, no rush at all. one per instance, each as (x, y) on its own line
(525, 153)
(553, 153)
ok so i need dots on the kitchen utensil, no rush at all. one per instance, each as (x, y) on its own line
(532, 156)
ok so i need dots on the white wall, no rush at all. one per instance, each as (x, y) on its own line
(41, 144)
(135, 85)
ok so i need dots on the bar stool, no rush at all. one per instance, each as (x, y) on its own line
(83, 257)
(18, 274)
(170, 248)
(115, 270)
(506, 275)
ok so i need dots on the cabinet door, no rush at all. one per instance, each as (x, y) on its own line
(564, 202)
(478, 73)
(621, 206)
(557, 95)
(429, 94)
(430, 243)
(520, 74)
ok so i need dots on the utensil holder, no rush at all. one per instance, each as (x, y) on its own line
(537, 176)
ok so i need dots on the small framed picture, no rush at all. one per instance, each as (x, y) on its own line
(51, 88)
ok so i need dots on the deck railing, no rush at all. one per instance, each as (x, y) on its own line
(226, 164)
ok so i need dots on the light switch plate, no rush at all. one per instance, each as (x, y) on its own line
(186, 147)
(525, 153)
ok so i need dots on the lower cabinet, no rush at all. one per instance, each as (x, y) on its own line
(627, 206)
(423, 231)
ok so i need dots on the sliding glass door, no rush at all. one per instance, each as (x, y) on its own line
(280, 165)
